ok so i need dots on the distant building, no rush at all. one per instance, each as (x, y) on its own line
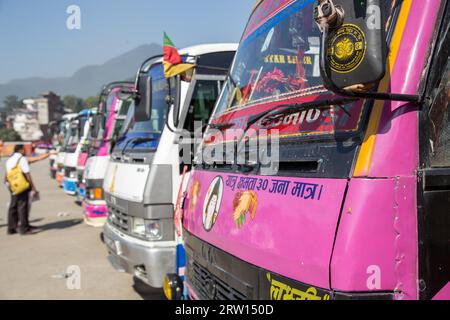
(46, 109)
(27, 126)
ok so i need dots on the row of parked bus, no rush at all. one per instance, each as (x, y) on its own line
(309, 162)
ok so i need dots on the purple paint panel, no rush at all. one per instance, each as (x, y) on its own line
(82, 158)
(285, 225)
(103, 151)
(397, 138)
(376, 248)
(95, 211)
(444, 294)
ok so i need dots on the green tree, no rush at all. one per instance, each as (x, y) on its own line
(3, 116)
(91, 102)
(9, 135)
(11, 103)
(73, 103)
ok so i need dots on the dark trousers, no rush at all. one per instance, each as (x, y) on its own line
(19, 212)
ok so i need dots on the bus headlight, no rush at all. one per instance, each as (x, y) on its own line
(148, 229)
(139, 227)
(153, 229)
(96, 194)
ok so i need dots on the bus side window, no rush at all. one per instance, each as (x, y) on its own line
(202, 103)
(440, 122)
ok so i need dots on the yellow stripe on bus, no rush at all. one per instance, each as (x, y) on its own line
(363, 165)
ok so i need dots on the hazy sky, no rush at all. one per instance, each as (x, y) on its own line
(35, 40)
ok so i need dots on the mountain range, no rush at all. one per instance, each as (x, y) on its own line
(85, 82)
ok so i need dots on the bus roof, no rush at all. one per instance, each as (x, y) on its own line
(198, 50)
(208, 48)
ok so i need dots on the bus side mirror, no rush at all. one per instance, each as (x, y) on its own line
(353, 47)
(173, 100)
(143, 109)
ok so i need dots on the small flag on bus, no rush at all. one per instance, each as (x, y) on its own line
(173, 63)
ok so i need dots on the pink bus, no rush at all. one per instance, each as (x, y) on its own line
(111, 115)
(349, 194)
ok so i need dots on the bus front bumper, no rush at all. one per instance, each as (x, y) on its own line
(95, 213)
(59, 178)
(147, 260)
(70, 186)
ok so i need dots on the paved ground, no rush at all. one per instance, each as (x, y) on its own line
(33, 267)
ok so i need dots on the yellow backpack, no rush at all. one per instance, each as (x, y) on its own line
(16, 179)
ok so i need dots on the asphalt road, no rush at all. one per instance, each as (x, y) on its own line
(37, 266)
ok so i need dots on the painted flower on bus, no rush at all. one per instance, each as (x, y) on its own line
(193, 194)
(245, 203)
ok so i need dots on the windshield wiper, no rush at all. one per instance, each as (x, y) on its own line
(143, 140)
(288, 109)
(221, 125)
(291, 108)
(285, 109)
(136, 141)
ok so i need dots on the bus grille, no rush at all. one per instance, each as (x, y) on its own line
(202, 280)
(68, 171)
(118, 219)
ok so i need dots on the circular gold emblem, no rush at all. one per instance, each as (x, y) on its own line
(346, 49)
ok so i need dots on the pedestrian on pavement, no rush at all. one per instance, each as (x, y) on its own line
(17, 167)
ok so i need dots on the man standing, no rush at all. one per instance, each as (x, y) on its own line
(19, 206)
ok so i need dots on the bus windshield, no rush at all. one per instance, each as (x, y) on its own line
(81, 124)
(72, 136)
(105, 106)
(121, 116)
(278, 63)
(67, 133)
(128, 120)
(280, 57)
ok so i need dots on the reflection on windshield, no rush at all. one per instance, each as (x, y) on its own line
(81, 125)
(125, 106)
(279, 59)
(129, 119)
(110, 103)
(72, 136)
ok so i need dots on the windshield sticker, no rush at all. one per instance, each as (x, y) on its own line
(289, 59)
(327, 120)
(282, 291)
(245, 203)
(347, 49)
(211, 206)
